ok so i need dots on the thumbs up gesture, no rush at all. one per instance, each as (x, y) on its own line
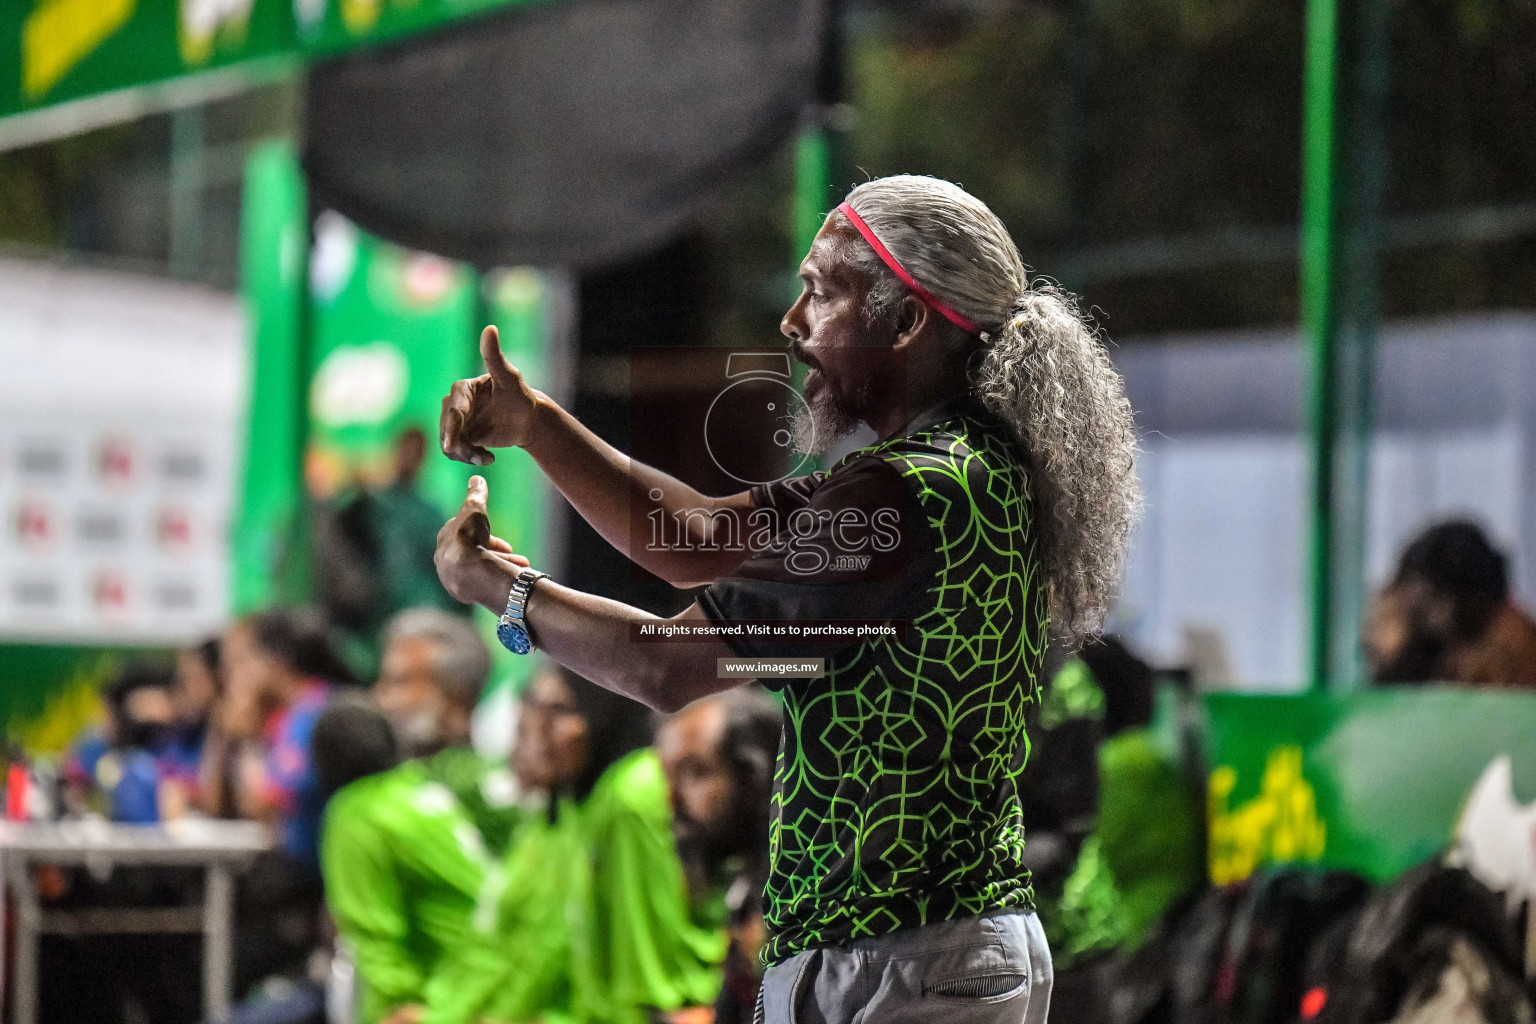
(475, 566)
(493, 410)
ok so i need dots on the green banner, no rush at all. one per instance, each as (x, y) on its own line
(339, 375)
(57, 50)
(267, 544)
(392, 330)
(1371, 781)
(327, 26)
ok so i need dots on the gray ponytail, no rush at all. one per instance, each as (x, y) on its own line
(1046, 374)
(1043, 371)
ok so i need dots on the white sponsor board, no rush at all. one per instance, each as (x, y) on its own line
(121, 416)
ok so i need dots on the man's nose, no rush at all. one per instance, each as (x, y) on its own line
(788, 329)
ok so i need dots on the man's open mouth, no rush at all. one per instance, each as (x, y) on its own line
(802, 356)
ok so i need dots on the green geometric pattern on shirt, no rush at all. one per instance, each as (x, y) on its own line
(896, 799)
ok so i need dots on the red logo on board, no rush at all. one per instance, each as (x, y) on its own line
(110, 592)
(174, 528)
(115, 461)
(34, 524)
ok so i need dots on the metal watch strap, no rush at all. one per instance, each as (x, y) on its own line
(517, 598)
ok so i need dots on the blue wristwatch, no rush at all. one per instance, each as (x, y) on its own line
(512, 630)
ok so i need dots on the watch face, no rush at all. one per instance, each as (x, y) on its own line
(513, 637)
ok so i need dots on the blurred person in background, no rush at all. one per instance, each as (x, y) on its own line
(118, 769)
(1448, 615)
(1002, 421)
(435, 668)
(195, 695)
(406, 526)
(1143, 850)
(408, 881)
(351, 742)
(373, 549)
(280, 668)
(718, 755)
(124, 772)
(1059, 787)
(597, 921)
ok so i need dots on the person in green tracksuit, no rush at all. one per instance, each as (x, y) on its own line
(434, 670)
(603, 860)
(588, 918)
(644, 944)
(413, 892)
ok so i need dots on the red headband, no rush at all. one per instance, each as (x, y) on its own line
(961, 321)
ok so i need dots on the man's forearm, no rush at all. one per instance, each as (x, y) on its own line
(591, 636)
(637, 508)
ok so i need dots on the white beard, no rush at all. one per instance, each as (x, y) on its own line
(418, 732)
(821, 422)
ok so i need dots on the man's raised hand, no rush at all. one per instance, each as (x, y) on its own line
(493, 410)
(473, 565)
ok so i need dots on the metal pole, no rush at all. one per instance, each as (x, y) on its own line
(814, 156)
(1365, 163)
(1319, 307)
(218, 937)
(813, 182)
(29, 924)
(187, 181)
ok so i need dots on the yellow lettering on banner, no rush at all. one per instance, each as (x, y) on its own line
(60, 33)
(1279, 825)
(360, 15)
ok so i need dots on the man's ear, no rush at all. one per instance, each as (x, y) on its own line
(911, 317)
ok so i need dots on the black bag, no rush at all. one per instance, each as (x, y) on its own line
(1432, 924)
(1233, 956)
(1285, 916)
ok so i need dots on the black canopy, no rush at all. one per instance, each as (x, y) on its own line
(574, 132)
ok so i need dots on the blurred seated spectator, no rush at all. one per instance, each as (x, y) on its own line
(117, 770)
(407, 878)
(718, 754)
(596, 921)
(352, 744)
(280, 668)
(644, 944)
(1447, 615)
(194, 694)
(435, 668)
(1059, 784)
(122, 771)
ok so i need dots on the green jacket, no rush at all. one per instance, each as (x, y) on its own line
(412, 890)
(595, 921)
(639, 943)
(484, 789)
(587, 920)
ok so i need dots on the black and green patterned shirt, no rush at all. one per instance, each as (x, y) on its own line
(896, 799)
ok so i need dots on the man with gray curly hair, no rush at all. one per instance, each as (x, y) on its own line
(992, 511)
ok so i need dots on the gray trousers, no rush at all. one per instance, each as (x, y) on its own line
(994, 969)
